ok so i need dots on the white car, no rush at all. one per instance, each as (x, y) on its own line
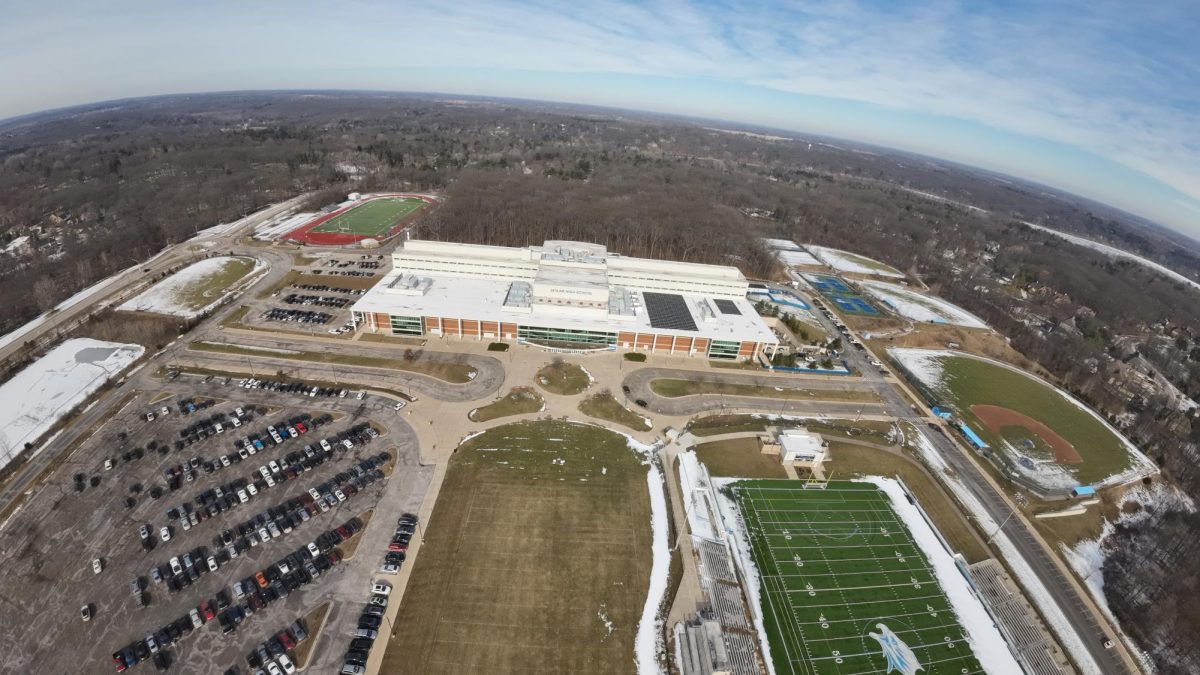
(242, 496)
(165, 410)
(360, 395)
(212, 563)
(108, 464)
(288, 667)
(326, 446)
(381, 588)
(235, 422)
(263, 534)
(165, 533)
(313, 550)
(251, 489)
(150, 417)
(274, 466)
(273, 669)
(176, 568)
(239, 412)
(341, 496)
(97, 566)
(399, 405)
(348, 443)
(389, 568)
(220, 429)
(194, 614)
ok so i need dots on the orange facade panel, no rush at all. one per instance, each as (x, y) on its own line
(747, 348)
(509, 330)
(683, 345)
(431, 323)
(644, 341)
(625, 338)
(662, 342)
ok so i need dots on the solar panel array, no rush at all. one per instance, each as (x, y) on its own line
(669, 311)
(727, 306)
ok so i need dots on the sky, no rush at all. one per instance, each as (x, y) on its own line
(1097, 97)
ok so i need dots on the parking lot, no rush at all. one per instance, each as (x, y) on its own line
(227, 513)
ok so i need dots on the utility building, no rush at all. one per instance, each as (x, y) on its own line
(565, 295)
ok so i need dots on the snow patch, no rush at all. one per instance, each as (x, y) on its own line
(920, 307)
(985, 639)
(41, 393)
(844, 261)
(648, 644)
(167, 296)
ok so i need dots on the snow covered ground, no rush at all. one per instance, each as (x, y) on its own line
(281, 225)
(648, 643)
(920, 307)
(844, 261)
(169, 295)
(36, 397)
(1113, 252)
(1153, 501)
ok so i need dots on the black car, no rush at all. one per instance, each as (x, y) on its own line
(361, 644)
(357, 657)
(367, 621)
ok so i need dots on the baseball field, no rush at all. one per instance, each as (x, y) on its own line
(1040, 430)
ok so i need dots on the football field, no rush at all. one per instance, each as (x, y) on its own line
(845, 589)
(371, 219)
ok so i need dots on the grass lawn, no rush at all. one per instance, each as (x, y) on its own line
(604, 406)
(967, 381)
(739, 458)
(373, 218)
(675, 388)
(836, 562)
(350, 546)
(863, 430)
(536, 559)
(455, 373)
(203, 292)
(519, 401)
(852, 461)
(313, 622)
(562, 378)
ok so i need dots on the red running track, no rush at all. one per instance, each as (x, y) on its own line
(305, 235)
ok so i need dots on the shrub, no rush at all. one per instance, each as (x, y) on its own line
(636, 357)
(497, 347)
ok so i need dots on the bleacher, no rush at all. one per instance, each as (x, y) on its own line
(1034, 647)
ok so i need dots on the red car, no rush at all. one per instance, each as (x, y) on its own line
(286, 640)
(206, 610)
(397, 546)
(119, 662)
(301, 428)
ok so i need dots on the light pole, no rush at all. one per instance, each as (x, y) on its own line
(1002, 524)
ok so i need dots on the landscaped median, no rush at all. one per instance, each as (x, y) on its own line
(605, 407)
(672, 388)
(449, 371)
(519, 401)
(564, 379)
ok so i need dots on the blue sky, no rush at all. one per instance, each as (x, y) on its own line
(1099, 98)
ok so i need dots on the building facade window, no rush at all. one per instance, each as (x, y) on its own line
(589, 337)
(723, 349)
(407, 325)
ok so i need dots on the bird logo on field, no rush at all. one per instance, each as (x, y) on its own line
(899, 657)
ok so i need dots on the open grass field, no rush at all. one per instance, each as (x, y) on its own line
(835, 565)
(672, 388)
(371, 219)
(450, 371)
(193, 289)
(562, 378)
(518, 401)
(1028, 421)
(536, 559)
(603, 406)
(739, 458)
(863, 430)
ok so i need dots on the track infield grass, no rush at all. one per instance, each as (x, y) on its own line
(373, 218)
(539, 538)
(834, 564)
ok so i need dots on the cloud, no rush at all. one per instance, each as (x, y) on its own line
(1116, 80)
